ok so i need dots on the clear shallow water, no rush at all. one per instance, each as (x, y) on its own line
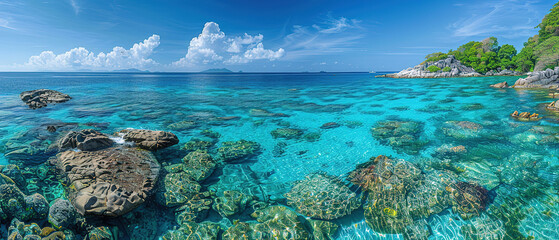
(357, 101)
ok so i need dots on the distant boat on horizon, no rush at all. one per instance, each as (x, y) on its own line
(372, 71)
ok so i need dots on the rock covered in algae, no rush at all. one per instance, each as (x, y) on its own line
(469, 199)
(198, 165)
(432, 196)
(238, 150)
(461, 129)
(322, 196)
(62, 214)
(388, 181)
(14, 204)
(194, 231)
(274, 222)
(182, 125)
(323, 230)
(287, 133)
(101, 233)
(231, 203)
(41, 97)
(85, 140)
(20, 231)
(403, 136)
(240, 177)
(149, 139)
(197, 144)
(195, 209)
(108, 182)
(176, 189)
(14, 173)
(484, 227)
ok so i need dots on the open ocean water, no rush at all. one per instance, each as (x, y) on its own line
(458, 126)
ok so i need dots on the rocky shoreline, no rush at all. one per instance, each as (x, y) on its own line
(446, 68)
(548, 78)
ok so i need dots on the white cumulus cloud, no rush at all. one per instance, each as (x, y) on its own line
(212, 46)
(80, 58)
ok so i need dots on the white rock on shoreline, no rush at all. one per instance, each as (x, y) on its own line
(457, 69)
(540, 79)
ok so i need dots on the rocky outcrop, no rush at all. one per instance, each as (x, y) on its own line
(41, 97)
(148, 139)
(500, 85)
(457, 69)
(505, 72)
(109, 182)
(85, 140)
(540, 79)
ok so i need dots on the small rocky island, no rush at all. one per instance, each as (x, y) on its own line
(42, 97)
(548, 78)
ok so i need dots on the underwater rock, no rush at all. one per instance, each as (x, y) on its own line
(231, 203)
(31, 147)
(469, 199)
(484, 227)
(274, 222)
(14, 173)
(195, 209)
(431, 196)
(197, 144)
(238, 150)
(37, 206)
(330, 125)
(263, 113)
(481, 172)
(388, 181)
(198, 165)
(148, 139)
(101, 233)
(210, 134)
(312, 136)
(323, 230)
(403, 136)
(240, 178)
(61, 214)
(322, 196)
(461, 129)
(447, 151)
(108, 182)
(182, 125)
(525, 116)
(287, 133)
(500, 85)
(192, 230)
(41, 97)
(176, 189)
(20, 231)
(12, 201)
(85, 140)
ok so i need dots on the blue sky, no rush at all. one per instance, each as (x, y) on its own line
(260, 36)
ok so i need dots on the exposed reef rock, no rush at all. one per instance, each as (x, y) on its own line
(525, 116)
(505, 72)
(41, 97)
(500, 85)
(108, 182)
(322, 196)
(149, 139)
(540, 79)
(457, 69)
(85, 140)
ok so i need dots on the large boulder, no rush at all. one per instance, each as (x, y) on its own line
(149, 139)
(41, 97)
(108, 182)
(85, 140)
(62, 214)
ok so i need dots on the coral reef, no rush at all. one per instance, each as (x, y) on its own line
(403, 136)
(287, 133)
(238, 150)
(198, 165)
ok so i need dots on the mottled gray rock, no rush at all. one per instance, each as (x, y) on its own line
(62, 214)
(85, 140)
(500, 85)
(41, 97)
(148, 139)
(540, 79)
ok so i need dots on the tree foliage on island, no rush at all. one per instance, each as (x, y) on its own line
(540, 51)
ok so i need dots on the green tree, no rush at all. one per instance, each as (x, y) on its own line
(524, 61)
(507, 52)
(550, 24)
(433, 68)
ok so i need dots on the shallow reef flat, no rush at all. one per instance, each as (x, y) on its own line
(276, 156)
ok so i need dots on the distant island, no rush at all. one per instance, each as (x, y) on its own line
(130, 70)
(217, 70)
(487, 58)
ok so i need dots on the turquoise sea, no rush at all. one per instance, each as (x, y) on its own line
(459, 125)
